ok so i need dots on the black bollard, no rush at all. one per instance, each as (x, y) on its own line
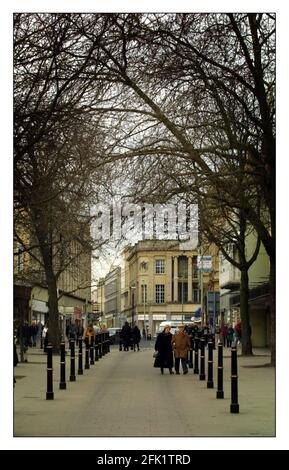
(45, 343)
(220, 391)
(108, 342)
(102, 351)
(49, 393)
(202, 361)
(72, 377)
(104, 344)
(62, 383)
(41, 341)
(210, 382)
(213, 340)
(196, 369)
(191, 353)
(101, 345)
(80, 369)
(96, 348)
(234, 381)
(86, 366)
(120, 344)
(91, 350)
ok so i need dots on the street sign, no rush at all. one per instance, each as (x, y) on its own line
(205, 264)
(213, 306)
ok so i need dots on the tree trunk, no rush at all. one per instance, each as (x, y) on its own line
(245, 314)
(54, 334)
(272, 310)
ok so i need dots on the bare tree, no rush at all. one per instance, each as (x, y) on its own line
(58, 146)
(174, 86)
(206, 79)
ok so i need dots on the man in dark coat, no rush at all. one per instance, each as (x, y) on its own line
(163, 346)
(126, 336)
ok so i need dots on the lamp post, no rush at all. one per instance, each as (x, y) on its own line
(182, 295)
(133, 289)
(182, 300)
(202, 287)
(144, 307)
(145, 321)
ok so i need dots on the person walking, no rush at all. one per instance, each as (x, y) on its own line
(71, 332)
(33, 333)
(238, 332)
(230, 335)
(163, 348)
(217, 333)
(15, 359)
(45, 337)
(126, 336)
(224, 334)
(88, 333)
(181, 345)
(136, 337)
(24, 339)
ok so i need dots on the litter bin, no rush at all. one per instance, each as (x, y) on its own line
(149, 336)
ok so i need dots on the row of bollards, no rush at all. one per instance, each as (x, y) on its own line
(98, 348)
(93, 352)
(199, 344)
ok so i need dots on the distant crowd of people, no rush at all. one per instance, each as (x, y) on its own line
(228, 334)
(27, 336)
(171, 350)
(129, 337)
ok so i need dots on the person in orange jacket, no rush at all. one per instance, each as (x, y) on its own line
(181, 344)
(88, 332)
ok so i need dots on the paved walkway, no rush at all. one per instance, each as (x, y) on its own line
(123, 395)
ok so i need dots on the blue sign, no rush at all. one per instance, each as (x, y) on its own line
(197, 313)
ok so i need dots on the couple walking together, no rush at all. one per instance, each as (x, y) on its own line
(166, 344)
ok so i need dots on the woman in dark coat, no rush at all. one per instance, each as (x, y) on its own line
(163, 346)
(136, 337)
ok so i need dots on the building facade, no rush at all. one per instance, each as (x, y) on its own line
(73, 286)
(161, 281)
(112, 298)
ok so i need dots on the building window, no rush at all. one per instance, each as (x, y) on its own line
(144, 293)
(160, 293)
(183, 266)
(195, 271)
(196, 296)
(160, 266)
(182, 292)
